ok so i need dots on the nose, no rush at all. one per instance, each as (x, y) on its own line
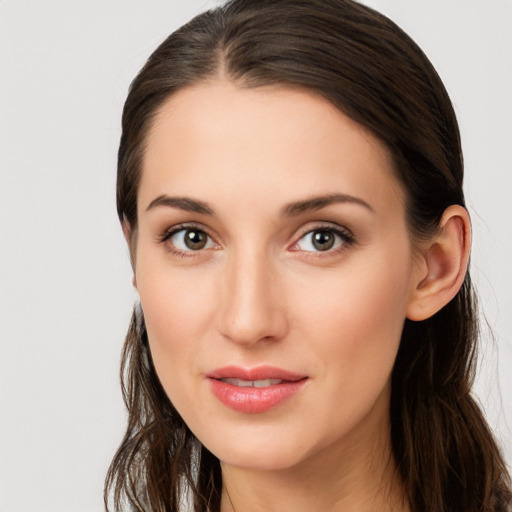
(252, 306)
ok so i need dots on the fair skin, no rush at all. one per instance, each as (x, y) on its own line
(246, 271)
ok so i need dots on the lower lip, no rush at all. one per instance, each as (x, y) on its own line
(251, 400)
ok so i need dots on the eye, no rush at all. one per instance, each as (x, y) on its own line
(322, 240)
(188, 240)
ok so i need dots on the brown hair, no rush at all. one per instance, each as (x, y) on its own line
(371, 70)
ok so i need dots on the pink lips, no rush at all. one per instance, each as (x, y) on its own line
(248, 399)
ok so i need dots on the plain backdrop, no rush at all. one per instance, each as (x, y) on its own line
(66, 293)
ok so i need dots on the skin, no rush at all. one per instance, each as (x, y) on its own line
(260, 292)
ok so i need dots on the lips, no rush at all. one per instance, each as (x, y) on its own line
(255, 390)
(262, 383)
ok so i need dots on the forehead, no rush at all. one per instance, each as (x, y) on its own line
(224, 142)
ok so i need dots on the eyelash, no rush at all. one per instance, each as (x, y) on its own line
(347, 239)
(169, 233)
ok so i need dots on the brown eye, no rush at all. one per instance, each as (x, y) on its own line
(323, 240)
(195, 239)
(189, 240)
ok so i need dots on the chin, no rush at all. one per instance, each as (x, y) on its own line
(266, 449)
(262, 460)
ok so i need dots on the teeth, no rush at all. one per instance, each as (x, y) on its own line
(265, 383)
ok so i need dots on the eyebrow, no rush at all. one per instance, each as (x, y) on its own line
(317, 203)
(290, 210)
(183, 203)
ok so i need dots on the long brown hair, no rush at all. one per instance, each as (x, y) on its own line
(371, 70)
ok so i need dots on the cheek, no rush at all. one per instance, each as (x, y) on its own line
(356, 319)
(178, 309)
(174, 305)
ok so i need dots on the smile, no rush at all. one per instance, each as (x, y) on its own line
(254, 391)
(263, 383)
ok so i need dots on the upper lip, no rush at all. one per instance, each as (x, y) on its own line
(257, 373)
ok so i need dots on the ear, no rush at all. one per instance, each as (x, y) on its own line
(128, 236)
(444, 262)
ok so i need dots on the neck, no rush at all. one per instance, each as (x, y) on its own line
(357, 474)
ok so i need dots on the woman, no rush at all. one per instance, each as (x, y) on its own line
(290, 187)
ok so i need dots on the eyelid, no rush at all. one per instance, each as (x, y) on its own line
(168, 232)
(342, 231)
(165, 236)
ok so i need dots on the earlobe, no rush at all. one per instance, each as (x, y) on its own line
(128, 235)
(125, 225)
(446, 260)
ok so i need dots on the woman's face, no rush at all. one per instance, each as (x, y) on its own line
(275, 269)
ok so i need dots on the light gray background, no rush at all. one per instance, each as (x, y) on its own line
(66, 294)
